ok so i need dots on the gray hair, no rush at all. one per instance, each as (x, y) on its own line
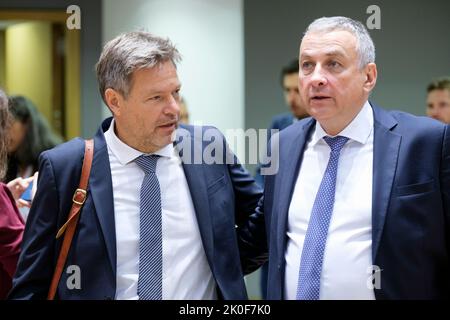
(365, 46)
(127, 53)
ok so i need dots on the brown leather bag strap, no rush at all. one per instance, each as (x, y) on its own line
(68, 229)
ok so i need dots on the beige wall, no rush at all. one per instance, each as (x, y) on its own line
(25, 76)
(72, 84)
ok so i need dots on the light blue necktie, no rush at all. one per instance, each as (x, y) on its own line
(308, 287)
(150, 228)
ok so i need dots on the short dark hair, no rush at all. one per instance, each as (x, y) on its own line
(439, 84)
(291, 67)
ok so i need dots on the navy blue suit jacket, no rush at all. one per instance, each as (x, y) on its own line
(282, 121)
(223, 197)
(279, 122)
(410, 206)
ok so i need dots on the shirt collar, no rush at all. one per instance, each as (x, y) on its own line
(126, 154)
(358, 130)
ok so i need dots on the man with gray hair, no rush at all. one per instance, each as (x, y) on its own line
(360, 206)
(154, 225)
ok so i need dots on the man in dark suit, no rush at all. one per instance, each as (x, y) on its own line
(158, 222)
(360, 206)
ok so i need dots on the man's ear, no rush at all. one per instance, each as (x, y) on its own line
(114, 101)
(371, 76)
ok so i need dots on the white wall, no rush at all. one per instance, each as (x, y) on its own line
(209, 36)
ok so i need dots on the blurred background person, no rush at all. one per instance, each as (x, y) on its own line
(184, 113)
(438, 100)
(289, 83)
(29, 135)
(11, 222)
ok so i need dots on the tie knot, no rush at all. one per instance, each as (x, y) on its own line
(336, 143)
(147, 163)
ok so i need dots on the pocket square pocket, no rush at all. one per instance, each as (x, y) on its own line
(216, 185)
(416, 188)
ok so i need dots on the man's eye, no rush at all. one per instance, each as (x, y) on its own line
(334, 64)
(306, 65)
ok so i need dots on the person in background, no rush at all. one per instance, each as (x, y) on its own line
(289, 82)
(184, 113)
(11, 222)
(29, 135)
(438, 100)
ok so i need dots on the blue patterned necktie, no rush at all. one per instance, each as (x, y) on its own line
(308, 287)
(150, 228)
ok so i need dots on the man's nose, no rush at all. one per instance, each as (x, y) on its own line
(318, 77)
(172, 106)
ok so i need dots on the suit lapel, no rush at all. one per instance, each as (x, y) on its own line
(386, 148)
(288, 171)
(100, 185)
(195, 177)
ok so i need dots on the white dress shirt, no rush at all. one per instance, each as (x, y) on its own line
(186, 272)
(347, 262)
